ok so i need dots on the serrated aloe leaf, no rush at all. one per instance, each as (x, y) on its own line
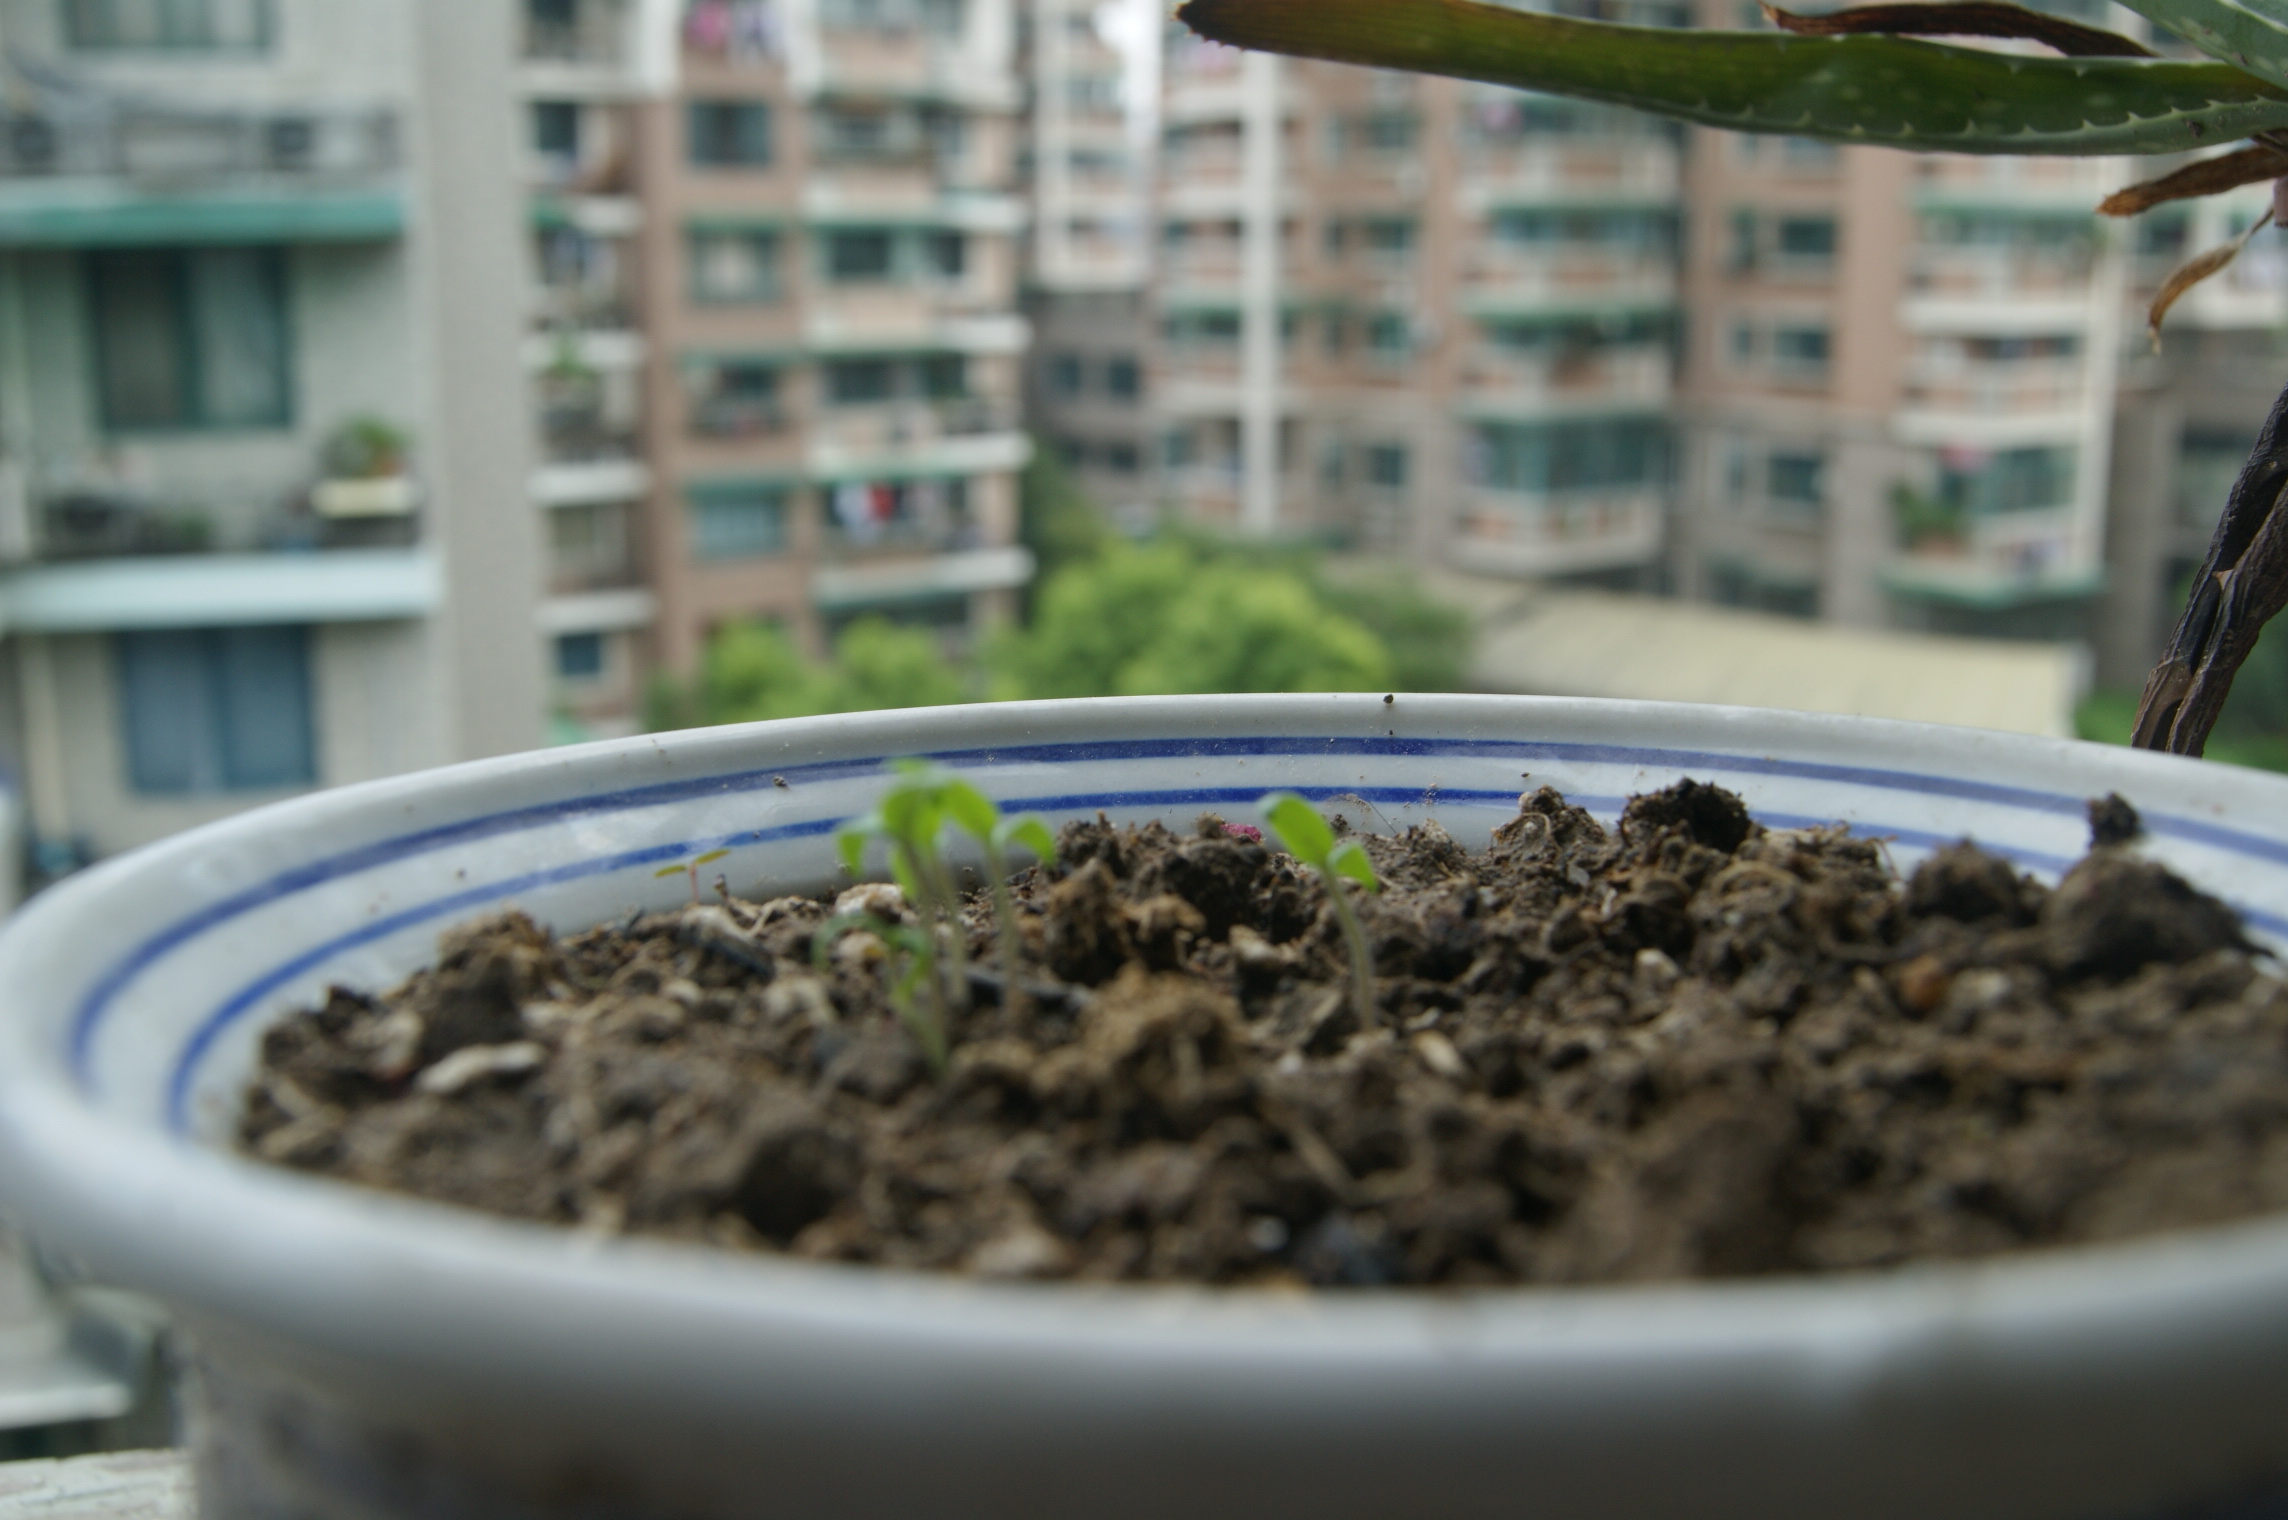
(2253, 37)
(1890, 91)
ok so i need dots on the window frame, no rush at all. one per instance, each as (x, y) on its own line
(194, 414)
(76, 28)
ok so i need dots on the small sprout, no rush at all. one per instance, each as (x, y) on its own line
(927, 1025)
(1308, 837)
(975, 814)
(922, 799)
(691, 867)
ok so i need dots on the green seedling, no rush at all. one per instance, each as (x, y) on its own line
(1311, 840)
(912, 815)
(691, 867)
(976, 815)
(926, 1024)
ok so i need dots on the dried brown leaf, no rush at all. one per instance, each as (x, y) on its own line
(2194, 270)
(2209, 176)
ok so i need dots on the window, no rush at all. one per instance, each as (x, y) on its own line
(1386, 465)
(1980, 484)
(728, 134)
(1801, 349)
(1122, 458)
(734, 265)
(186, 24)
(945, 254)
(944, 377)
(1064, 374)
(1577, 332)
(1205, 328)
(556, 129)
(1123, 379)
(216, 709)
(738, 521)
(579, 656)
(733, 398)
(190, 337)
(1388, 237)
(1794, 482)
(1807, 238)
(1743, 251)
(1388, 335)
(855, 382)
(1628, 232)
(863, 254)
(1592, 454)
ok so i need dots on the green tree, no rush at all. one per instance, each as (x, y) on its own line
(1236, 630)
(1056, 520)
(752, 671)
(1428, 640)
(1161, 619)
(879, 664)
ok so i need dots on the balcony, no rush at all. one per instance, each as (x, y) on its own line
(1504, 380)
(1998, 290)
(1515, 533)
(912, 64)
(1992, 402)
(2005, 560)
(1622, 173)
(220, 590)
(120, 173)
(964, 572)
(960, 436)
(1498, 279)
(2011, 184)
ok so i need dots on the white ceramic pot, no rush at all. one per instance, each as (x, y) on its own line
(369, 1355)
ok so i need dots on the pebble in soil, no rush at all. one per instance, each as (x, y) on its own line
(1691, 1048)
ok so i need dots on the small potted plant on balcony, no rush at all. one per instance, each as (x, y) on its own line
(365, 476)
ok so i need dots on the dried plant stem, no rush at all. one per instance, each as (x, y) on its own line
(2242, 582)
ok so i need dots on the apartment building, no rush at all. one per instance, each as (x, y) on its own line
(261, 448)
(1086, 273)
(587, 69)
(1419, 316)
(822, 255)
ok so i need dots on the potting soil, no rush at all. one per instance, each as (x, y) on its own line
(1694, 1047)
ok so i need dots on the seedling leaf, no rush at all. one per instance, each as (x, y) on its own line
(1033, 834)
(1890, 91)
(1300, 827)
(1349, 860)
(674, 870)
(711, 855)
(851, 842)
(972, 810)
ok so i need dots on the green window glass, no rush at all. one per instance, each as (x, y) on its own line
(190, 338)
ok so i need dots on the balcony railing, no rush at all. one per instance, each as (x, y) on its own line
(166, 144)
(78, 525)
(1635, 374)
(911, 424)
(1997, 388)
(1999, 274)
(1523, 533)
(596, 37)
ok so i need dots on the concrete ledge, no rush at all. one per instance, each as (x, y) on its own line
(119, 1485)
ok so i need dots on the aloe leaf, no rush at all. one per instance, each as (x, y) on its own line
(1890, 91)
(2252, 37)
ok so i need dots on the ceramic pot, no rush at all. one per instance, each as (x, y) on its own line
(369, 1356)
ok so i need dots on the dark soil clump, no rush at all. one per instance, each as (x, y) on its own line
(1692, 1048)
